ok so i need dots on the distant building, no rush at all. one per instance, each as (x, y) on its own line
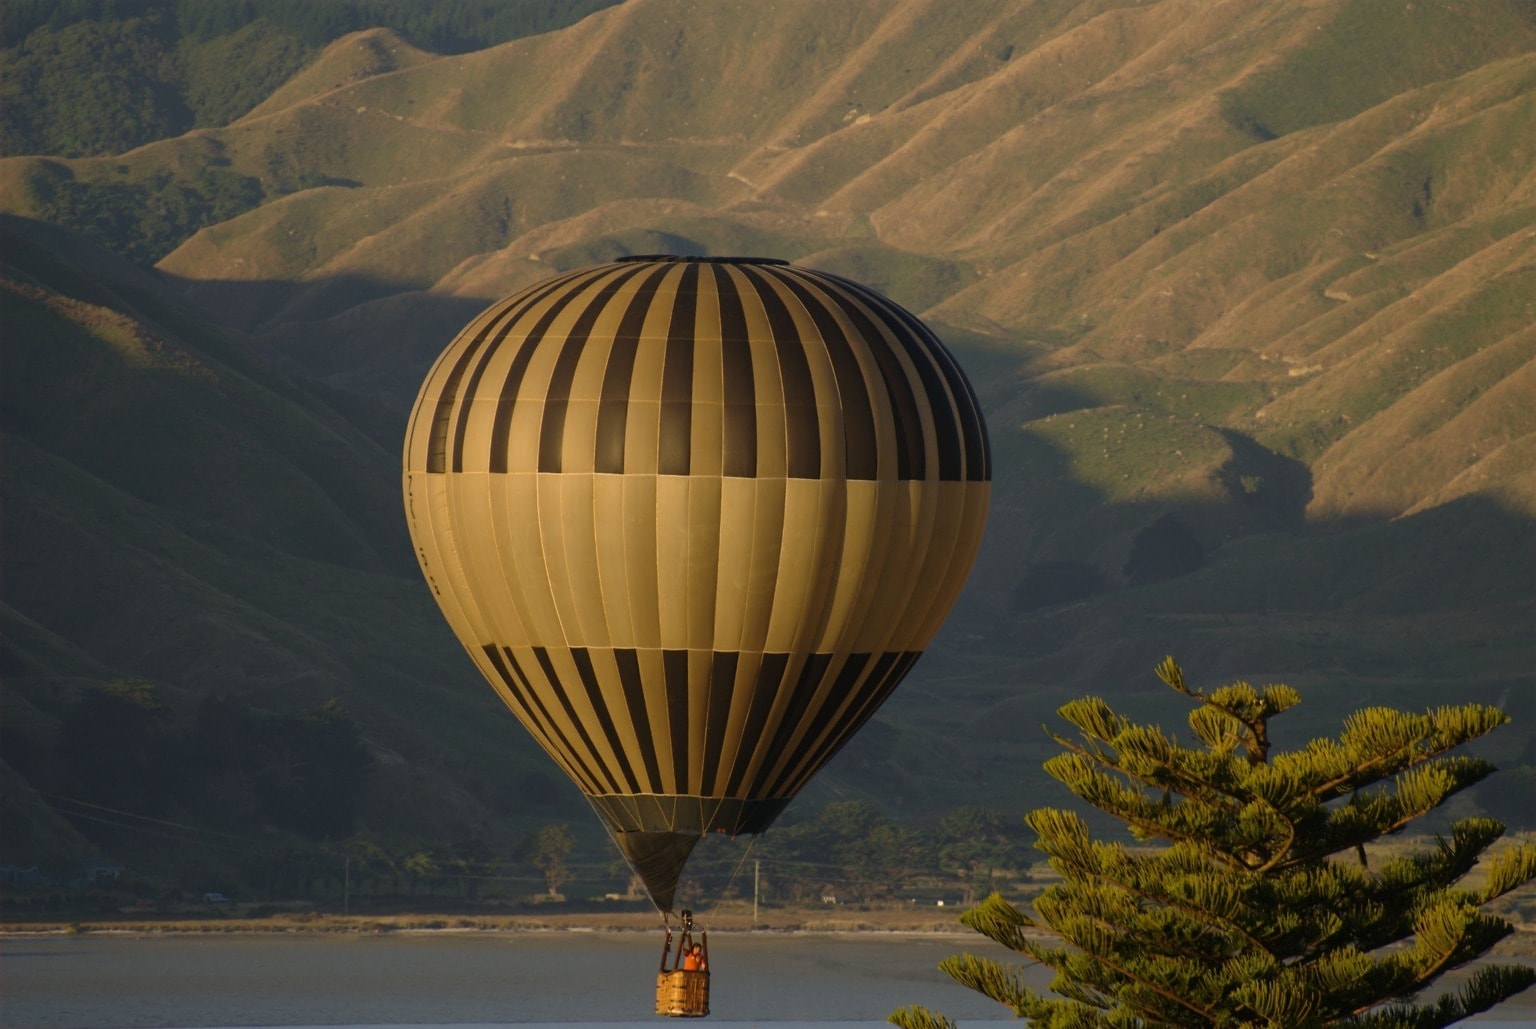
(15, 875)
(95, 873)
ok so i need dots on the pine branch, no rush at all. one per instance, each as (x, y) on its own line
(1251, 915)
(1508, 871)
(916, 1017)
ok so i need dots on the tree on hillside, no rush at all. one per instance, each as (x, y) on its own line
(1260, 907)
(551, 848)
(973, 843)
(851, 848)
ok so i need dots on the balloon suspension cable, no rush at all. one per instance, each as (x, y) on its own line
(752, 842)
(665, 921)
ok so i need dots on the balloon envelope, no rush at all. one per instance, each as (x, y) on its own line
(694, 520)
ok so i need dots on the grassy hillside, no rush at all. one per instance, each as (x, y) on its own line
(84, 77)
(181, 515)
(1247, 292)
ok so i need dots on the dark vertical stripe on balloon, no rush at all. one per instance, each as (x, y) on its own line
(501, 429)
(887, 674)
(955, 430)
(911, 454)
(613, 406)
(570, 712)
(634, 695)
(503, 326)
(674, 666)
(588, 676)
(551, 727)
(517, 690)
(853, 713)
(847, 678)
(910, 336)
(862, 444)
(801, 423)
(978, 446)
(437, 442)
(740, 443)
(722, 690)
(676, 435)
(806, 685)
(557, 399)
(770, 676)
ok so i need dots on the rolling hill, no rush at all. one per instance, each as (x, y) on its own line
(1248, 292)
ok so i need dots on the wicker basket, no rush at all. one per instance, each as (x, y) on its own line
(682, 993)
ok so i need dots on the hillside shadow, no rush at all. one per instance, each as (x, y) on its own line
(1075, 591)
(1055, 543)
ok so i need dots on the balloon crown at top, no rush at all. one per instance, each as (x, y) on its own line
(688, 259)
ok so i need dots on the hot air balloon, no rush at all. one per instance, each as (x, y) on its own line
(694, 519)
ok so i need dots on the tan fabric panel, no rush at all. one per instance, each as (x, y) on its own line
(614, 588)
(582, 518)
(480, 583)
(829, 500)
(702, 572)
(670, 547)
(480, 426)
(509, 556)
(766, 529)
(963, 507)
(640, 568)
(940, 531)
(549, 509)
(808, 559)
(857, 569)
(520, 555)
(890, 590)
(579, 441)
(438, 552)
(733, 573)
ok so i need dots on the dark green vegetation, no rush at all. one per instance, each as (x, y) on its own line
(1259, 907)
(212, 616)
(81, 77)
(101, 77)
(1248, 292)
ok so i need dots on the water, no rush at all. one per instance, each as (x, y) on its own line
(526, 979)
(451, 978)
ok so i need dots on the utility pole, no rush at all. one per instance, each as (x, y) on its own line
(346, 886)
(757, 868)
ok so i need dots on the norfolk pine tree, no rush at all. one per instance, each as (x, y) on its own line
(1260, 908)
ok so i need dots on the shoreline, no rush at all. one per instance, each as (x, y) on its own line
(778, 921)
(1519, 946)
